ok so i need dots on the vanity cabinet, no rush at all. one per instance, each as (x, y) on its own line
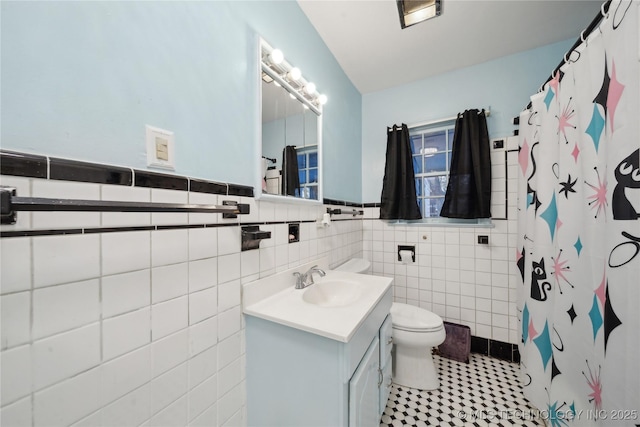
(297, 377)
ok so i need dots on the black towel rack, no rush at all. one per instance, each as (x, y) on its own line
(10, 204)
(353, 212)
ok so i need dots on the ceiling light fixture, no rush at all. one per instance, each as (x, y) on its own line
(414, 11)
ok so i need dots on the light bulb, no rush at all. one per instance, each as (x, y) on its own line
(310, 88)
(276, 56)
(294, 74)
(322, 99)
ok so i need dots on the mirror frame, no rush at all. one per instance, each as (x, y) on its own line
(258, 194)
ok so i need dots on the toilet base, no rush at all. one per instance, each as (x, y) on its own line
(413, 367)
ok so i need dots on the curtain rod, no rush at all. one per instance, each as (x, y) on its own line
(487, 113)
(604, 9)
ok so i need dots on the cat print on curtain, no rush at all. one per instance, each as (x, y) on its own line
(579, 232)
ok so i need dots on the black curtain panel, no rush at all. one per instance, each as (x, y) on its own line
(290, 178)
(399, 200)
(469, 190)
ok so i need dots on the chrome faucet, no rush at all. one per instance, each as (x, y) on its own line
(306, 279)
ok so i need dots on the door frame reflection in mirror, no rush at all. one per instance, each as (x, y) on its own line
(312, 101)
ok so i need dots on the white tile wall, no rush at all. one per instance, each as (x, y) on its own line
(139, 327)
(453, 276)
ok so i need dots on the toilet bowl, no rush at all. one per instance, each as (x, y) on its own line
(415, 332)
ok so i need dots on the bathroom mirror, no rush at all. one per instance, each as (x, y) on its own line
(290, 164)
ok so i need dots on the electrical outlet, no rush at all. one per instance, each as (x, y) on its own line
(160, 148)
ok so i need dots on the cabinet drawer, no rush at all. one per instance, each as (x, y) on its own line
(386, 341)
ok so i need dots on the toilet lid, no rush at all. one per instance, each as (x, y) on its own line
(411, 318)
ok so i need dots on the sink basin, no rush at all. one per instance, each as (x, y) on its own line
(333, 293)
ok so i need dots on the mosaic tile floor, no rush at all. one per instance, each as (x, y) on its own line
(484, 392)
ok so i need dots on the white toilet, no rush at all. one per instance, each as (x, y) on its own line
(415, 332)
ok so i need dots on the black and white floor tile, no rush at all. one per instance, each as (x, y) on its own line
(484, 392)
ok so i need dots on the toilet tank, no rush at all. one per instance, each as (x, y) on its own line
(355, 265)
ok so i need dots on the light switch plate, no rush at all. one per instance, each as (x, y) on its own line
(160, 148)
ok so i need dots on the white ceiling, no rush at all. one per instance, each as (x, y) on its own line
(366, 39)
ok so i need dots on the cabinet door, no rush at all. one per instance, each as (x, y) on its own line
(363, 389)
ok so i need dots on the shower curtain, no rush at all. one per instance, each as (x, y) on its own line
(578, 254)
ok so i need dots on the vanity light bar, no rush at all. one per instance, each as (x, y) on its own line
(285, 74)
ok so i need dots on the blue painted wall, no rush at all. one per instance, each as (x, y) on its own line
(503, 85)
(81, 80)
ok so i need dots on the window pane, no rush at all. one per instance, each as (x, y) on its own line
(450, 139)
(419, 187)
(302, 161)
(313, 192)
(313, 160)
(302, 175)
(420, 206)
(435, 185)
(416, 143)
(313, 175)
(432, 207)
(417, 164)
(435, 163)
(435, 142)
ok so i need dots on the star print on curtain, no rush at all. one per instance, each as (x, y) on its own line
(578, 257)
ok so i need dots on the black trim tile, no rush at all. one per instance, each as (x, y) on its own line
(179, 227)
(119, 229)
(21, 164)
(34, 233)
(480, 345)
(157, 180)
(333, 202)
(371, 205)
(353, 204)
(240, 190)
(72, 170)
(500, 350)
(210, 187)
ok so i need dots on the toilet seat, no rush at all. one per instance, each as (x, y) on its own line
(414, 319)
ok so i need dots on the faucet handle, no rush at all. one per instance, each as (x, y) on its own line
(299, 280)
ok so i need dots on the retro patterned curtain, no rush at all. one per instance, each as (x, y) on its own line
(579, 232)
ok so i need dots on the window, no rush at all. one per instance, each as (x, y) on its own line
(308, 174)
(431, 148)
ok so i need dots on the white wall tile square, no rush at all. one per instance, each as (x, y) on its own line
(249, 263)
(126, 332)
(229, 405)
(64, 355)
(173, 415)
(229, 240)
(126, 251)
(203, 396)
(203, 366)
(229, 322)
(203, 274)
(15, 374)
(169, 352)
(64, 307)
(125, 292)
(169, 316)
(169, 247)
(228, 267)
(15, 262)
(168, 387)
(65, 259)
(130, 410)
(69, 400)
(15, 324)
(169, 281)
(203, 304)
(17, 414)
(203, 243)
(203, 335)
(124, 374)
(229, 350)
